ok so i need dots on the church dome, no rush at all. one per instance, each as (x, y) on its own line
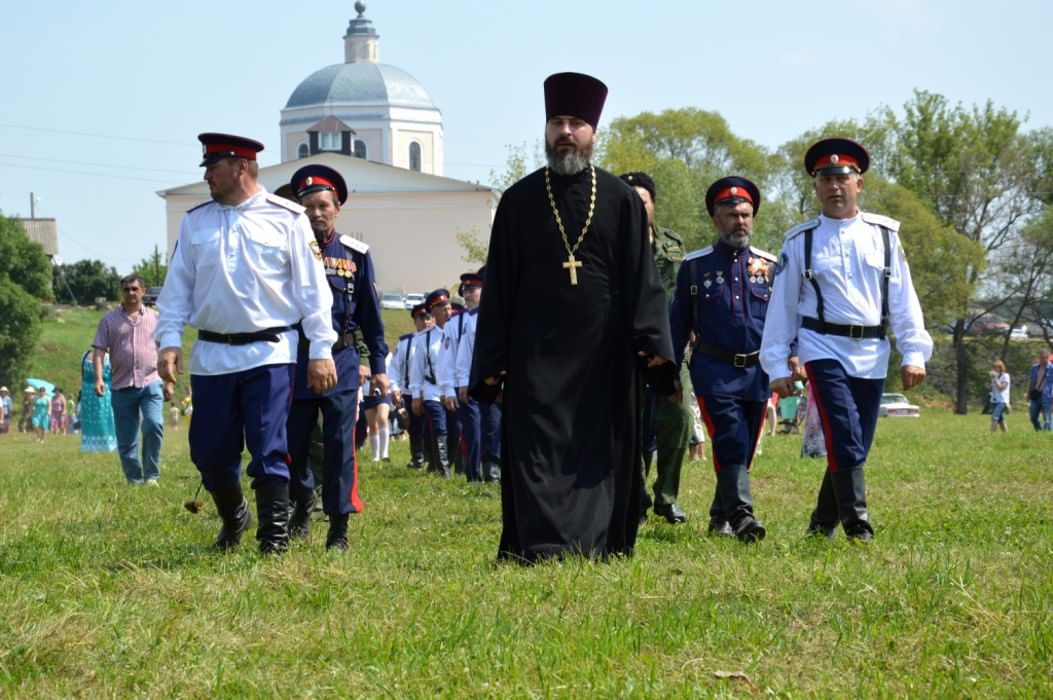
(360, 83)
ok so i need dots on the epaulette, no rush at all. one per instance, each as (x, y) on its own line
(407, 335)
(284, 203)
(354, 244)
(879, 220)
(199, 206)
(763, 254)
(700, 253)
(801, 228)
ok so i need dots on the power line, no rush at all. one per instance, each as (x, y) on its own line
(101, 165)
(169, 183)
(99, 136)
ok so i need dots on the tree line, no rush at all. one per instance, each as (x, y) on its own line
(970, 185)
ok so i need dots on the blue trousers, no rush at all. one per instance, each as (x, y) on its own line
(848, 409)
(1036, 407)
(231, 411)
(339, 465)
(490, 442)
(434, 420)
(128, 405)
(470, 421)
(734, 426)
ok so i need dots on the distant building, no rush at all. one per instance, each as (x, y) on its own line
(377, 126)
(42, 231)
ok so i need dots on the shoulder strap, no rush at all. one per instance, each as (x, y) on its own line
(810, 276)
(692, 269)
(886, 274)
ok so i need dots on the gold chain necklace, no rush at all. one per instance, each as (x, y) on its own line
(572, 263)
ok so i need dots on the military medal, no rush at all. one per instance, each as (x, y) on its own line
(572, 264)
(316, 251)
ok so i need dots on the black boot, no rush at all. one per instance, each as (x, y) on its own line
(733, 490)
(718, 524)
(850, 490)
(823, 522)
(300, 519)
(492, 472)
(235, 513)
(336, 538)
(441, 456)
(272, 509)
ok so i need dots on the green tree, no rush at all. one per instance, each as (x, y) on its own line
(976, 170)
(685, 150)
(521, 161)
(25, 281)
(88, 279)
(475, 248)
(152, 269)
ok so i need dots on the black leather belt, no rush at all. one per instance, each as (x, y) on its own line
(738, 359)
(347, 340)
(846, 331)
(270, 335)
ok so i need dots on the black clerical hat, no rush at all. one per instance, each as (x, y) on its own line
(638, 179)
(732, 190)
(216, 147)
(315, 178)
(836, 156)
(574, 95)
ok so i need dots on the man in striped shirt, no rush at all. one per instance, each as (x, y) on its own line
(137, 393)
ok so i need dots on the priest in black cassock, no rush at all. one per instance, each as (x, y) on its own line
(573, 313)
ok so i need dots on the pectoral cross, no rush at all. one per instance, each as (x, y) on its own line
(571, 266)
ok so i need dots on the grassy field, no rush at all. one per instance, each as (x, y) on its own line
(110, 590)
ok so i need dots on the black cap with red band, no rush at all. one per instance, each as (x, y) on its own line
(315, 178)
(216, 147)
(732, 190)
(836, 156)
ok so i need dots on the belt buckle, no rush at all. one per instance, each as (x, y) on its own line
(739, 360)
(852, 332)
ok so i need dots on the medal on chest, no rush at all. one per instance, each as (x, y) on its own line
(759, 271)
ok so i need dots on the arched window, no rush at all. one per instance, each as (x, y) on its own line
(303, 151)
(360, 148)
(414, 156)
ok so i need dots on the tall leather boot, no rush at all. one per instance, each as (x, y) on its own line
(300, 518)
(733, 488)
(336, 538)
(272, 509)
(492, 472)
(718, 524)
(823, 522)
(850, 490)
(442, 458)
(234, 510)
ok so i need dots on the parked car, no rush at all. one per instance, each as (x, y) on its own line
(1018, 333)
(897, 406)
(414, 299)
(391, 300)
(150, 297)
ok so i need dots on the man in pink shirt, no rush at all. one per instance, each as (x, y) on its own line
(127, 333)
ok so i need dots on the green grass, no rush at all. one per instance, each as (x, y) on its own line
(112, 591)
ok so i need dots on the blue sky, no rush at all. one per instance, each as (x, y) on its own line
(103, 101)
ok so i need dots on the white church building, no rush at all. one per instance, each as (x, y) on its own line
(377, 126)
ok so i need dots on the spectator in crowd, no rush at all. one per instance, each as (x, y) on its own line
(1040, 391)
(41, 419)
(97, 430)
(5, 410)
(1000, 383)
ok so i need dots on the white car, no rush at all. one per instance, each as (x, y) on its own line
(897, 406)
(390, 300)
(414, 299)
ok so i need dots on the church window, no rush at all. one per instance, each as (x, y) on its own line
(414, 156)
(329, 141)
(303, 151)
(360, 148)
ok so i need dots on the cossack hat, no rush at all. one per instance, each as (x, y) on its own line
(638, 179)
(439, 296)
(315, 178)
(732, 190)
(836, 156)
(216, 147)
(419, 310)
(574, 95)
(470, 280)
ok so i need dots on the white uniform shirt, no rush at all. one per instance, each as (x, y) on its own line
(454, 330)
(245, 268)
(463, 365)
(399, 364)
(425, 359)
(848, 261)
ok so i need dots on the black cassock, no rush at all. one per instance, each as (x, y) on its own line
(570, 436)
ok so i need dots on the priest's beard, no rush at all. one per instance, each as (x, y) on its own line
(570, 162)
